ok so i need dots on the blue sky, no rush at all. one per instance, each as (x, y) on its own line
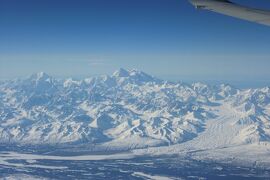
(166, 38)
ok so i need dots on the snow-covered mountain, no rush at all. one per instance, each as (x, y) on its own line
(131, 109)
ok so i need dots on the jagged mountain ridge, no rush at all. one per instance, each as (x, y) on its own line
(128, 107)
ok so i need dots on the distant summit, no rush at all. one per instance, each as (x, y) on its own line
(40, 76)
(135, 76)
(121, 73)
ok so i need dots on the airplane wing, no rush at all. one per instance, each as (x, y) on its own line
(231, 9)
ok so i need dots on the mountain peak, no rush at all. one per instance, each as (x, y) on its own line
(135, 72)
(40, 76)
(134, 75)
(121, 73)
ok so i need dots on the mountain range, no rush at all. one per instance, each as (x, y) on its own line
(131, 109)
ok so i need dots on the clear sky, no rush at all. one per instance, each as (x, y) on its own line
(166, 38)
